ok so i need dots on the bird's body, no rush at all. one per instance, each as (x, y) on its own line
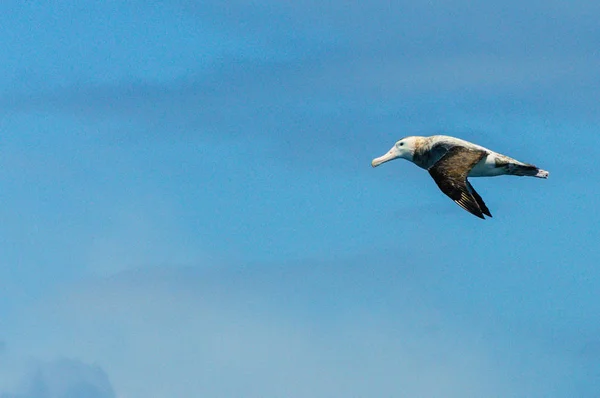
(429, 150)
(451, 160)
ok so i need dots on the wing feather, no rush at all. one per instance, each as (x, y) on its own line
(450, 174)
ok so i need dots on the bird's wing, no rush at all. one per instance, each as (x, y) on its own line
(450, 174)
(480, 201)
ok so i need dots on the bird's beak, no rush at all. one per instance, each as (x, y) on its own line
(391, 155)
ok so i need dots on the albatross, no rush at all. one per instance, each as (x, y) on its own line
(450, 161)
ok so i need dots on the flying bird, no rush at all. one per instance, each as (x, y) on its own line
(450, 161)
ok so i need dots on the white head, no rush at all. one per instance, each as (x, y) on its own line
(405, 148)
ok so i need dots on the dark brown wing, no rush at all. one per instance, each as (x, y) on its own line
(480, 201)
(450, 174)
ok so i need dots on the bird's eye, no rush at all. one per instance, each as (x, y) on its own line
(402, 143)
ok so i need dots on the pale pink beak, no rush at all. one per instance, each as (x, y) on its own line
(391, 155)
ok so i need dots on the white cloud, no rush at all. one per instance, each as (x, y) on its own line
(232, 333)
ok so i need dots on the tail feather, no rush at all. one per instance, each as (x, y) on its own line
(527, 170)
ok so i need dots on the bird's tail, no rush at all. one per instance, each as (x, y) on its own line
(527, 170)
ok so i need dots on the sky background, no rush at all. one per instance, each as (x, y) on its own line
(187, 206)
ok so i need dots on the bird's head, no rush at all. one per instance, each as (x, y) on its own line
(405, 148)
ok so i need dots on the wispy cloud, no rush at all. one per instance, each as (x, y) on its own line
(279, 331)
(376, 55)
(65, 378)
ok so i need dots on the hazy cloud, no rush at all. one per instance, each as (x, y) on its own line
(280, 331)
(66, 378)
(369, 66)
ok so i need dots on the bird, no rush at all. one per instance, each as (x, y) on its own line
(450, 161)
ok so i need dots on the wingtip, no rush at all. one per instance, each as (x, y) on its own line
(471, 207)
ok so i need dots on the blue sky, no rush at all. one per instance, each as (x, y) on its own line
(188, 206)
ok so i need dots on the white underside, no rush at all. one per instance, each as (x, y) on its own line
(487, 167)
